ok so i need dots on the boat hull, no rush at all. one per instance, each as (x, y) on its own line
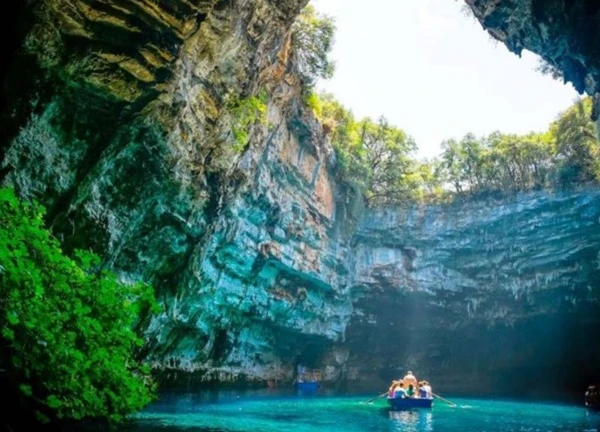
(407, 403)
(307, 387)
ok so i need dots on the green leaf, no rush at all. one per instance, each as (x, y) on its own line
(8, 334)
(41, 417)
(26, 390)
(53, 402)
(12, 318)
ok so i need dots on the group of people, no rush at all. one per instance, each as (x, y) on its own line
(307, 375)
(409, 387)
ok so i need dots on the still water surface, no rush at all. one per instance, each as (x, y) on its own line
(266, 413)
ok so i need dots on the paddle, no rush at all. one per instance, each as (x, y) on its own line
(452, 404)
(376, 397)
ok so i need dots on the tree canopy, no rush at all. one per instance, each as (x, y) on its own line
(68, 342)
(567, 153)
(372, 154)
(379, 158)
(312, 41)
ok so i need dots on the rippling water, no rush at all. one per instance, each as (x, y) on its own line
(232, 413)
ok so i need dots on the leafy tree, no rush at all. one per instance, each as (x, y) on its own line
(313, 36)
(378, 157)
(68, 342)
(386, 153)
(452, 164)
(372, 155)
(577, 143)
(425, 181)
(499, 161)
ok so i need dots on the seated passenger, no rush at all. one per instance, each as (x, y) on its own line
(410, 379)
(392, 389)
(400, 392)
(411, 391)
(428, 390)
(422, 390)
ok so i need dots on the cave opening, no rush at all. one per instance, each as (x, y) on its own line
(197, 149)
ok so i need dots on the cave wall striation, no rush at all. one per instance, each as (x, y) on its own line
(117, 117)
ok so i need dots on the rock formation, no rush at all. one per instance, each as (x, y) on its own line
(125, 134)
(118, 117)
(494, 294)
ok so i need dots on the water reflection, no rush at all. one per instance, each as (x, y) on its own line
(411, 421)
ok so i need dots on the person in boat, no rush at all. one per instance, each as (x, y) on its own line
(392, 388)
(410, 379)
(301, 372)
(400, 391)
(422, 390)
(427, 388)
(410, 392)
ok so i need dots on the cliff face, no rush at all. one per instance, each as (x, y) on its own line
(124, 131)
(118, 118)
(485, 295)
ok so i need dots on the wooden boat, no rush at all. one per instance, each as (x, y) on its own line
(399, 403)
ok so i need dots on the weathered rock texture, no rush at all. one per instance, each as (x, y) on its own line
(124, 132)
(566, 33)
(117, 116)
(485, 295)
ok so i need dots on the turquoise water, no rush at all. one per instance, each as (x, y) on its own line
(231, 413)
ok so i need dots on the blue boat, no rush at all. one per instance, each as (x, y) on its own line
(308, 380)
(307, 386)
(399, 403)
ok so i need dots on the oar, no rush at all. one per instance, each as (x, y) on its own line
(452, 404)
(376, 397)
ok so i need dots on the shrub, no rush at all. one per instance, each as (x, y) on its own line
(245, 113)
(67, 343)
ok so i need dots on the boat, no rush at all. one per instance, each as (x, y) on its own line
(308, 381)
(307, 386)
(420, 393)
(399, 403)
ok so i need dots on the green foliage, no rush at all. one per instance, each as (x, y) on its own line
(378, 158)
(567, 153)
(245, 113)
(312, 41)
(68, 339)
(577, 144)
(386, 152)
(372, 155)
(313, 101)
(497, 162)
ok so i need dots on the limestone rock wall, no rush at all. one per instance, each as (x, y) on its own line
(117, 116)
(123, 129)
(483, 295)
